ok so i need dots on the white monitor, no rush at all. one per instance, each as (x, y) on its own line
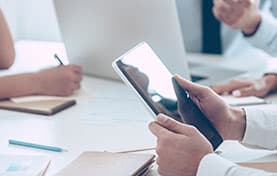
(95, 32)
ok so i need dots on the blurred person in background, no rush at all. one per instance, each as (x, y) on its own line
(260, 30)
(58, 81)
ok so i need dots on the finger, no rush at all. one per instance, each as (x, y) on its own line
(78, 78)
(259, 85)
(158, 130)
(245, 3)
(191, 87)
(218, 9)
(233, 16)
(68, 92)
(223, 7)
(78, 70)
(77, 86)
(225, 14)
(173, 125)
(75, 77)
(245, 92)
(158, 160)
(75, 68)
(161, 171)
(238, 8)
(216, 14)
(232, 2)
(77, 82)
(231, 86)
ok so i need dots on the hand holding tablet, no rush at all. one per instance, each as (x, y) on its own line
(142, 70)
(192, 115)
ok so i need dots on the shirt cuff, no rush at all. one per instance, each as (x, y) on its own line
(265, 33)
(214, 161)
(261, 127)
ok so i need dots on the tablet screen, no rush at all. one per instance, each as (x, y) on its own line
(148, 75)
(152, 80)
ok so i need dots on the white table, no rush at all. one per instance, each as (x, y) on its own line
(108, 117)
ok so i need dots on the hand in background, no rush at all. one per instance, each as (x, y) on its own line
(59, 81)
(240, 88)
(180, 147)
(238, 14)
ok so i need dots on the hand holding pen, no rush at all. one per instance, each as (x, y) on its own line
(59, 81)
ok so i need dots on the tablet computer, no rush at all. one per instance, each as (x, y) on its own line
(143, 71)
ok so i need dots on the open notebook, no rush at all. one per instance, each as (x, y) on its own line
(243, 101)
(109, 164)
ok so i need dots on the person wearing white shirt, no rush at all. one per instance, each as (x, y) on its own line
(260, 30)
(183, 150)
(194, 16)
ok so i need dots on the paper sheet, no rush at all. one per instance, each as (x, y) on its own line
(82, 93)
(34, 98)
(234, 101)
(11, 165)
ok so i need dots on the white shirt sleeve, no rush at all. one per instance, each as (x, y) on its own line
(265, 37)
(214, 165)
(261, 130)
(261, 127)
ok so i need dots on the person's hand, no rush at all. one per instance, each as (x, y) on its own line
(180, 147)
(230, 122)
(59, 81)
(240, 88)
(239, 14)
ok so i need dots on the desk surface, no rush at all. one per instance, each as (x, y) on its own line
(107, 117)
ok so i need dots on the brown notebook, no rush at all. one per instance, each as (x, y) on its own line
(109, 164)
(43, 107)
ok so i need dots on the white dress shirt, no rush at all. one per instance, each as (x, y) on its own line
(261, 131)
(261, 125)
(266, 36)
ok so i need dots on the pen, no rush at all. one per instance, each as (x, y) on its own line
(36, 146)
(58, 59)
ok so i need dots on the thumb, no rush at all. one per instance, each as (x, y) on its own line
(173, 125)
(158, 130)
(189, 86)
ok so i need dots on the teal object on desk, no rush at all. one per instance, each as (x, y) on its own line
(37, 146)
